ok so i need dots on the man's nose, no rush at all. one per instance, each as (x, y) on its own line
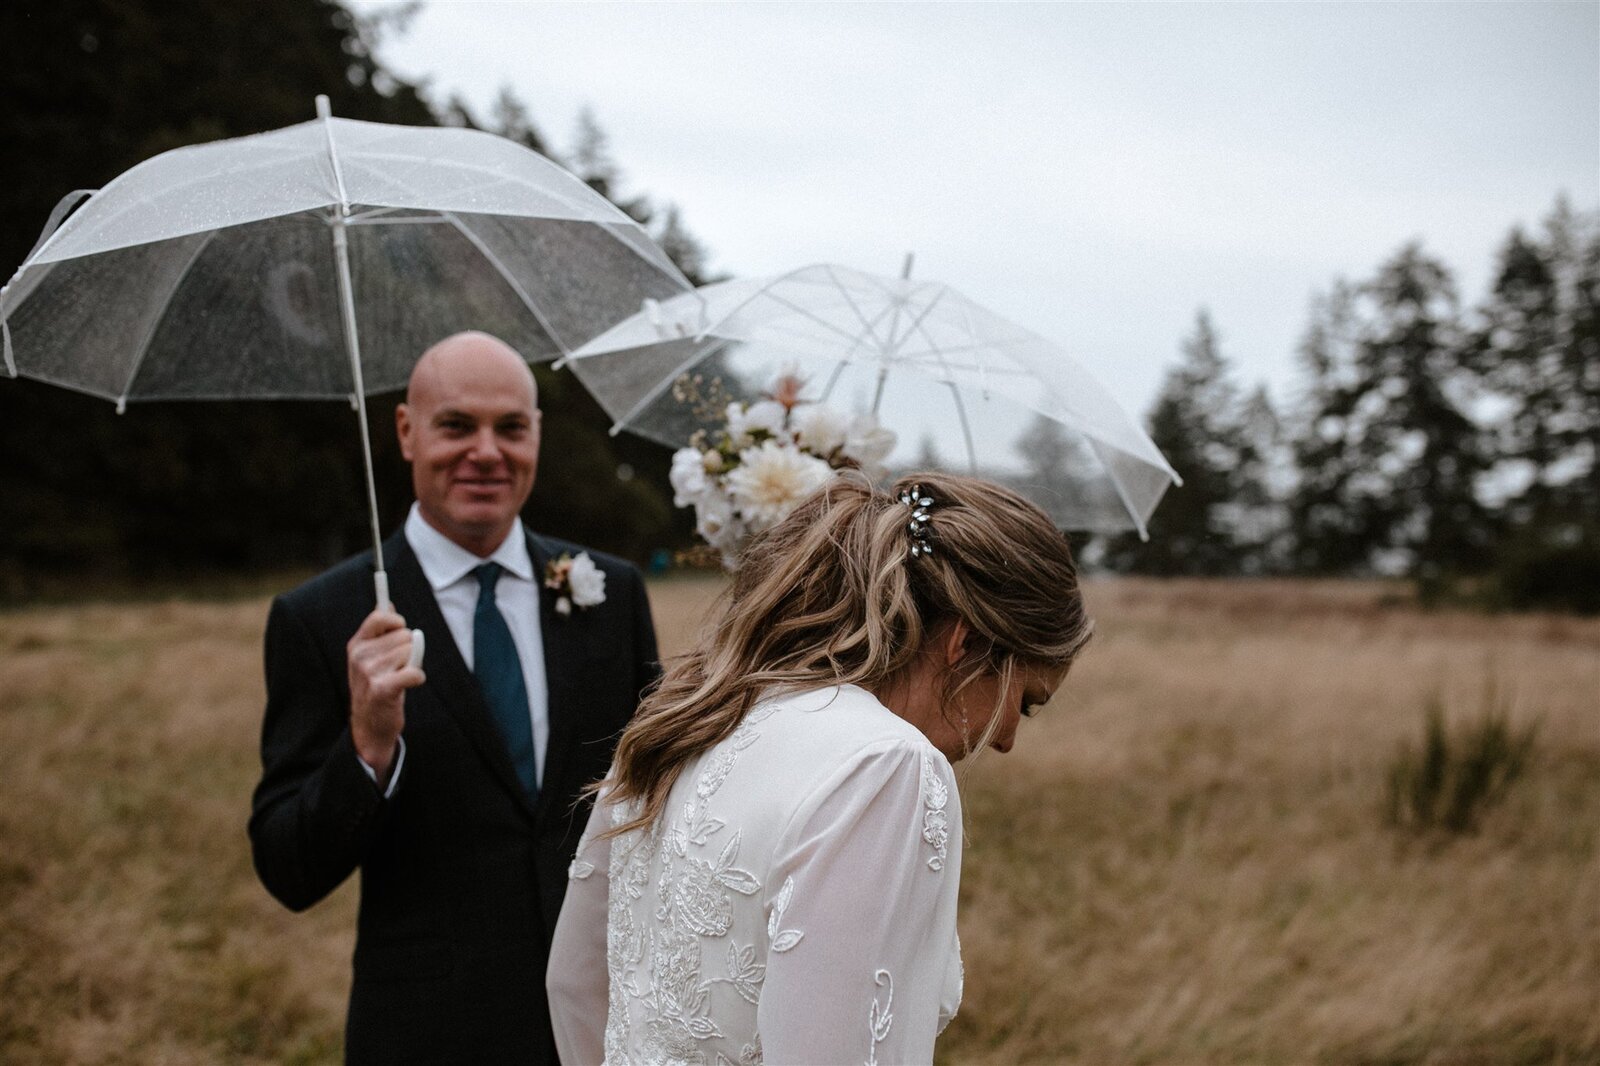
(485, 448)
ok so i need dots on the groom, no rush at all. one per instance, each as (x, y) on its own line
(453, 788)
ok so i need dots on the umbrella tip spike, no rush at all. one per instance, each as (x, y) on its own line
(614, 430)
(559, 363)
(122, 405)
(324, 109)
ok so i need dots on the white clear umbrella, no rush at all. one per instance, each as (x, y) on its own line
(962, 387)
(317, 262)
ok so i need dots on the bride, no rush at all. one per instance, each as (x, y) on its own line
(771, 870)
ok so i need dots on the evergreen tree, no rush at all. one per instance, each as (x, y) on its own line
(682, 248)
(1198, 423)
(1258, 513)
(1388, 455)
(1330, 529)
(1538, 350)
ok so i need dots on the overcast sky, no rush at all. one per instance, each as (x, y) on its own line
(1096, 172)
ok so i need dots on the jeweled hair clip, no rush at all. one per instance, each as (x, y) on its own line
(918, 526)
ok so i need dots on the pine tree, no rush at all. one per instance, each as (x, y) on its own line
(1538, 351)
(1198, 423)
(1329, 527)
(1388, 455)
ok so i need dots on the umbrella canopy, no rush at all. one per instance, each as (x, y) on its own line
(318, 261)
(962, 387)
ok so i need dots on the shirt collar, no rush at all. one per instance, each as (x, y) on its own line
(444, 562)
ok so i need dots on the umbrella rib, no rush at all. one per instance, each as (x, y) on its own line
(1122, 494)
(408, 220)
(824, 323)
(505, 275)
(155, 322)
(916, 323)
(665, 383)
(966, 428)
(869, 326)
(764, 290)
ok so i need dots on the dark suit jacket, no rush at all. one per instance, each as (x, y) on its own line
(461, 875)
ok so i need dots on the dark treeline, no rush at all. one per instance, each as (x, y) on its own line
(91, 87)
(1459, 446)
(1456, 445)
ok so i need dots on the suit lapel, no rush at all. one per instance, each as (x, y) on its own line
(448, 677)
(563, 651)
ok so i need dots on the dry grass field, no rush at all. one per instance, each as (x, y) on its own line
(1184, 860)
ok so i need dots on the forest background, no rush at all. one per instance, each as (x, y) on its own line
(1447, 438)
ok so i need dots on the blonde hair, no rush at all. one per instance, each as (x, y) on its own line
(833, 595)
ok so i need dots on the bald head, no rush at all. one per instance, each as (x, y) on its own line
(462, 355)
(470, 430)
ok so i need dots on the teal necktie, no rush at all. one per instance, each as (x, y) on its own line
(499, 671)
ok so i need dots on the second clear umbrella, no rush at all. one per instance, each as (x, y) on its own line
(962, 387)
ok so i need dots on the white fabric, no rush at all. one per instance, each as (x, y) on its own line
(796, 903)
(448, 567)
(394, 771)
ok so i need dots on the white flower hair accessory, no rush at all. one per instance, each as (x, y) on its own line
(768, 455)
(576, 581)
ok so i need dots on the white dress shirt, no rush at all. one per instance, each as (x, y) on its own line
(448, 568)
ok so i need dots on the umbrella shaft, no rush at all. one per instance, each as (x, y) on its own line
(347, 304)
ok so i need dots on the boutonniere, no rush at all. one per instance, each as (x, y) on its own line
(576, 581)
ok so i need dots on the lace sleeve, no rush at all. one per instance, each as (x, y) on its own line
(576, 979)
(862, 914)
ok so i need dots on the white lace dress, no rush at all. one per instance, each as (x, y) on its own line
(795, 904)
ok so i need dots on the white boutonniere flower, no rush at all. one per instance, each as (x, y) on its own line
(576, 581)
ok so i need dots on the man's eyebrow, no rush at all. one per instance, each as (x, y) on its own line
(445, 413)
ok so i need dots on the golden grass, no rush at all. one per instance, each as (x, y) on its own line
(1184, 860)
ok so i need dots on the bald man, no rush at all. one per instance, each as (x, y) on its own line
(454, 788)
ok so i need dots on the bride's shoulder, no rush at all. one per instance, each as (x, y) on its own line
(838, 723)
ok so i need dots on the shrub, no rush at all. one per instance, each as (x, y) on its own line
(1560, 577)
(1457, 774)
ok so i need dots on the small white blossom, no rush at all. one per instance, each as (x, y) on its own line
(869, 444)
(588, 582)
(763, 415)
(716, 523)
(819, 429)
(770, 479)
(688, 476)
(563, 606)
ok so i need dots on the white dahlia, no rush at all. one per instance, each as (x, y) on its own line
(770, 479)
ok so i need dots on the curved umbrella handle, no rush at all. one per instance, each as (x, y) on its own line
(419, 643)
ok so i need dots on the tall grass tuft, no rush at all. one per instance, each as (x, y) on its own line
(1457, 774)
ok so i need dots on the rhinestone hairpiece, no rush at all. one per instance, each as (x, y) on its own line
(918, 526)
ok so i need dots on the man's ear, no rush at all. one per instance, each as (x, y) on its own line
(402, 429)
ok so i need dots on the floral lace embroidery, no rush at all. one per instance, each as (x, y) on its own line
(880, 1018)
(935, 823)
(693, 903)
(782, 939)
